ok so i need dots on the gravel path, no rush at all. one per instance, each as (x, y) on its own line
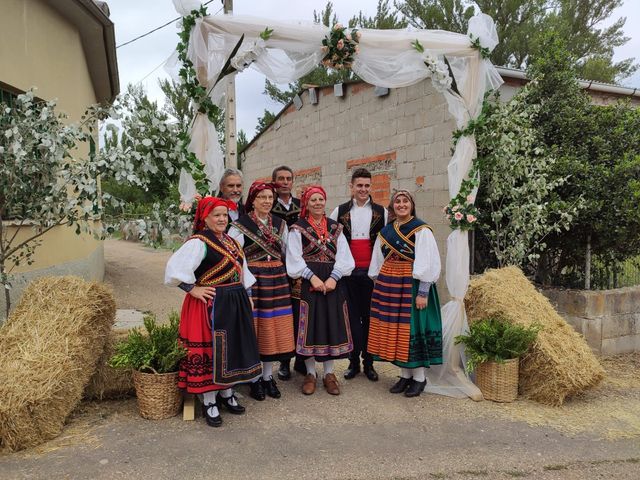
(365, 433)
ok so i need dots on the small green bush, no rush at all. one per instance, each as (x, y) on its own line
(157, 351)
(494, 339)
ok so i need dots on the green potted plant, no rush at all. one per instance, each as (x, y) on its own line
(154, 356)
(493, 348)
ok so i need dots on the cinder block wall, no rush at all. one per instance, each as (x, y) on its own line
(608, 319)
(403, 138)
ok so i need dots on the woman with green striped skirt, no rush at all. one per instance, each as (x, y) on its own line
(406, 325)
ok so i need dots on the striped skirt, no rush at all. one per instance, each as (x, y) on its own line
(398, 332)
(272, 313)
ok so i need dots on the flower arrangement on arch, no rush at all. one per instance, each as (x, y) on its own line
(461, 212)
(438, 69)
(340, 47)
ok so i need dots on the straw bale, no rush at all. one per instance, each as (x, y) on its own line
(108, 382)
(48, 352)
(560, 364)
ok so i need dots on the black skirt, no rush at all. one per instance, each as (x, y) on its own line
(323, 325)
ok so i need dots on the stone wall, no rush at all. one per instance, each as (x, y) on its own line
(608, 319)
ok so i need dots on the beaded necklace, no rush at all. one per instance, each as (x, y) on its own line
(320, 229)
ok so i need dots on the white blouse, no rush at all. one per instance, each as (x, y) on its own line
(426, 266)
(237, 235)
(297, 267)
(183, 263)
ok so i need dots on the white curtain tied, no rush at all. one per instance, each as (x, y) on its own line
(386, 59)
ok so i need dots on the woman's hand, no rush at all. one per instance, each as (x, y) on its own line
(421, 302)
(204, 294)
(329, 285)
(317, 284)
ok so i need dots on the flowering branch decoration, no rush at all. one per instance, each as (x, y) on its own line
(461, 211)
(244, 58)
(340, 48)
(441, 78)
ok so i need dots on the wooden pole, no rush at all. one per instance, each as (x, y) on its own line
(587, 266)
(231, 146)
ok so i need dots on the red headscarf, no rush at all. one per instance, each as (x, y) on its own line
(204, 208)
(307, 195)
(254, 190)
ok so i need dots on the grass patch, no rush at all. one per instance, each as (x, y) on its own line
(478, 473)
(516, 473)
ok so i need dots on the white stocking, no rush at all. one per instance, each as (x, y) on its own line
(328, 367)
(267, 370)
(405, 372)
(419, 375)
(228, 393)
(210, 398)
(310, 363)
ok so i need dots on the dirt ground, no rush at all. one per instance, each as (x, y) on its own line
(365, 433)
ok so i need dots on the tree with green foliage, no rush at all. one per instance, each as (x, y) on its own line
(264, 121)
(598, 151)
(521, 24)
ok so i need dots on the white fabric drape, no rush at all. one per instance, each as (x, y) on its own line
(386, 59)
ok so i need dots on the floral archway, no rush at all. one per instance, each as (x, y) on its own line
(457, 64)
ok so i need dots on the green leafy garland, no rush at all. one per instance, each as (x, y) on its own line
(461, 211)
(198, 94)
(475, 43)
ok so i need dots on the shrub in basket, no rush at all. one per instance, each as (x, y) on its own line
(154, 356)
(493, 347)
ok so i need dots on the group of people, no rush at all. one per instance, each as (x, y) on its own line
(274, 278)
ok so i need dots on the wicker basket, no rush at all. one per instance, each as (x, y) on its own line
(158, 394)
(498, 381)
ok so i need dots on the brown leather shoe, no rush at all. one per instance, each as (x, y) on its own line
(331, 384)
(309, 384)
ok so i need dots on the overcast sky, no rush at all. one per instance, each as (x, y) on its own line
(142, 61)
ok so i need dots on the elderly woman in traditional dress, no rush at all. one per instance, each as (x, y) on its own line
(216, 322)
(318, 252)
(406, 326)
(263, 237)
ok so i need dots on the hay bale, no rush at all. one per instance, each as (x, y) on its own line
(48, 352)
(108, 382)
(560, 364)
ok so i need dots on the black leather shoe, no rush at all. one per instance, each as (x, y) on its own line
(284, 372)
(299, 366)
(352, 371)
(370, 373)
(401, 385)
(415, 388)
(236, 409)
(257, 390)
(211, 421)
(271, 388)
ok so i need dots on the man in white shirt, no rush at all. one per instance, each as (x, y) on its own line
(362, 219)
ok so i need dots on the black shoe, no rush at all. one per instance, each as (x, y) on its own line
(211, 421)
(284, 372)
(415, 388)
(352, 371)
(271, 388)
(401, 385)
(257, 390)
(370, 373)
(236, 409)
(299, 366)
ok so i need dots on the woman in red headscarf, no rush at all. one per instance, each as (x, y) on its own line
(216, 322)
(263, 238)
(318, 252)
